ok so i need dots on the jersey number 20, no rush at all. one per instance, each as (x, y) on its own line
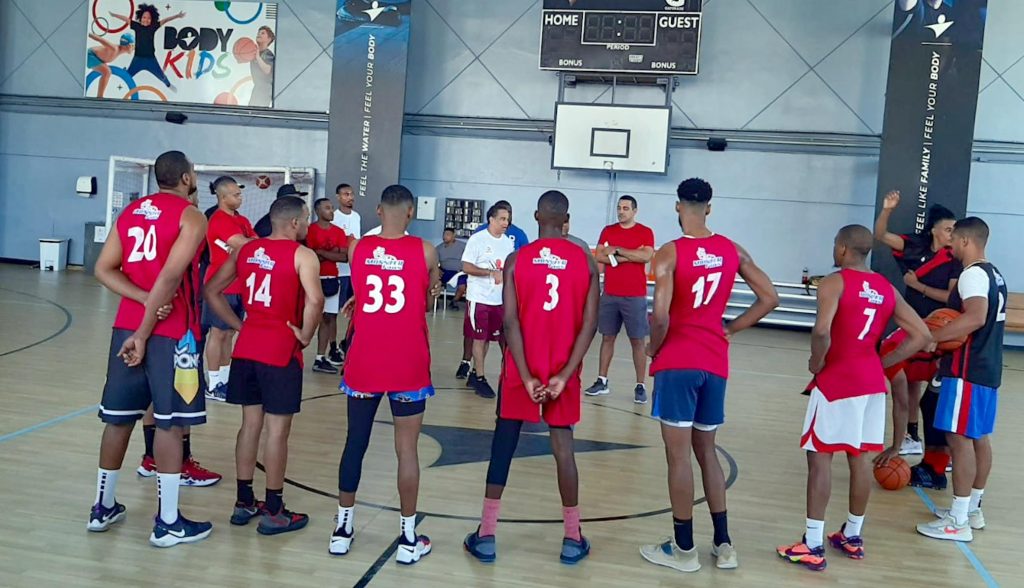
(396, 296)
(144, 246)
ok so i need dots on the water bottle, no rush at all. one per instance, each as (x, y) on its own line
(806, 277)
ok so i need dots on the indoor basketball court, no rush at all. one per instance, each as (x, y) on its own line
(805, 117)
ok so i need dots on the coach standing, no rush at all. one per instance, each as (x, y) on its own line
(624, 248)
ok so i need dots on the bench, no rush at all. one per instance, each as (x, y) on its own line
(1015, 313)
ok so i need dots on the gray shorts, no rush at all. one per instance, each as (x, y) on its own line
(618, 310)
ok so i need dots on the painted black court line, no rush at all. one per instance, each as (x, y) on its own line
(383, 559)
(67, 322)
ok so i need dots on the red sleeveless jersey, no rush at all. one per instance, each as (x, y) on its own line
(148, 229)
(390, 347)
(272, 296)
(552, 278)
(706, 270)
(852, 366)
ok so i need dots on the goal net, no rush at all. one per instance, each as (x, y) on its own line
(131, 178)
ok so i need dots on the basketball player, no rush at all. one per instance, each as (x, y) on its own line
(971, 376)
(150, 361)
(689, 347)
(348, 220)
(331, 246)
(227, 232)
(929, 272)
(483, 261)
(846, 410)
(394, 277)
(551, 299)
(283, 303)
(625, 248)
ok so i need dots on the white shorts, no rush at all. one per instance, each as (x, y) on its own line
(851, 425)
(331, 304)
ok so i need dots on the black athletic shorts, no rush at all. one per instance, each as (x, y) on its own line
(168, 378)
(278, 389)
(208, 318)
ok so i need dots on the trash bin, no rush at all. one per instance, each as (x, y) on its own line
(53, 254)
(95, 236)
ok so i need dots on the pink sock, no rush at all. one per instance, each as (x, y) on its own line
(489, 518)
(571, 516)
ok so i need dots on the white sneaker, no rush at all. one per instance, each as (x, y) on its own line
(725, 556)
(911, 447)
(409, 554)
(340, 543)
(947, 529)
(975, 518)
(668, 554)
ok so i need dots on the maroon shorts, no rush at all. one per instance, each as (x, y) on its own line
(484, 322)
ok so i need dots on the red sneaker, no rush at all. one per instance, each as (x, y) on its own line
(193, 474)
(852, 547)
(147, 469)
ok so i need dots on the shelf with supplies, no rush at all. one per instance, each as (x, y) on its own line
(464, 215)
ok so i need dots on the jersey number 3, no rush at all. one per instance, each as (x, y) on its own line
(396, 297)
(552, 302)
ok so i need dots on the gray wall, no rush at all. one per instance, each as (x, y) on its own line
(807, 66)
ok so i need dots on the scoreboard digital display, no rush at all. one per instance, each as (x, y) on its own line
(621, 36)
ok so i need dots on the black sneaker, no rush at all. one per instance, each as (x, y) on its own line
(244, 513)
(483, 389)
(282, 522)
(599, 388)
(472, 379)
(322, 366)
(640, 394)
(922, 476)
(335, 357)
(463, 371)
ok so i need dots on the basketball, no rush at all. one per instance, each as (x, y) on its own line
(262, 182)
(245, 50)
(893, 475)
(939, 319)
(226, 99)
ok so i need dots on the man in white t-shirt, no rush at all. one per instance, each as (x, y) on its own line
(349, 221)
(483, 261)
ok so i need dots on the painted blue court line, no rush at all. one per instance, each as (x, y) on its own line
(968, 553)
(49, 423)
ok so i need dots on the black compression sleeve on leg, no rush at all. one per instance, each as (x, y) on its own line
(361, 412)
(503, 447)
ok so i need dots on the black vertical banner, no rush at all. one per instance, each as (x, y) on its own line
(371, 48)
(930, 104)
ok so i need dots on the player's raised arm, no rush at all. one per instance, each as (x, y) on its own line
(214, 292)
(664, 285)
(830, 290)
(889, 204)
(759, 282)
(308, 266)
(918, 335)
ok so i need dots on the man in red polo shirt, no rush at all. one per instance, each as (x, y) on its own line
(228, 230)
(330, 244)
(624, 249)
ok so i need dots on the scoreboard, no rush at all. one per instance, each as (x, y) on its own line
(621, 36)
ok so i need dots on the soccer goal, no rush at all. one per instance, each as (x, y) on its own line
(131, 178)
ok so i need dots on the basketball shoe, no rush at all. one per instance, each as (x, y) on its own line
(100, 519)
(410, 552)
(800, 553)
(181, 531)
(282, 522)
(192, 474)
(975, 518)
(851, 547)
(668, 554)
(947, 529)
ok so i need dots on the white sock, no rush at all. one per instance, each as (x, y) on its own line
(641, 384)
(167, 491)
(975, 499)
(346, 516)
(814, 533)
(959, 509)
(409, 528)
(225, 373)
(106, 483)
(854, 523)
(319, 358)
(214, 378)
(604, 380)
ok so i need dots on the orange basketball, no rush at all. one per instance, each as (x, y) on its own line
(939, 319)
(245, 50)
(893, 475)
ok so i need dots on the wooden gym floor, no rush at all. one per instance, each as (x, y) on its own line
(56, 327)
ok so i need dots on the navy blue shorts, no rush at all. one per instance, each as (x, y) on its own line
(168, 378)
(447, 275)
(689, 398)
(277, 389)
(210, 319)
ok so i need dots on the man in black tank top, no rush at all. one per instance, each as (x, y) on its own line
(971, 376)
